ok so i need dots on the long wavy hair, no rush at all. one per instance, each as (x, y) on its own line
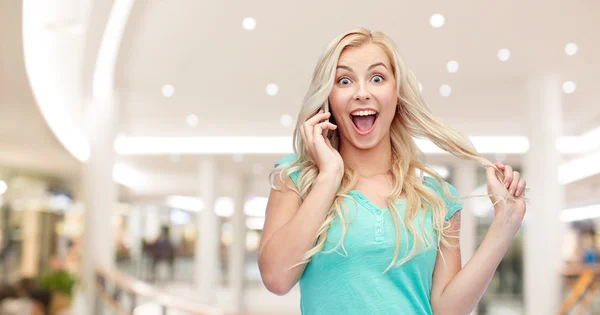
(412, 120)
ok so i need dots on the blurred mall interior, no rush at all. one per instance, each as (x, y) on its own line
(126, 126)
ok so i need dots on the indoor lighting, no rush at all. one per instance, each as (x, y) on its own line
(483, 145)
(566, 215)
(205, 145)
(571, 49)
(571, 145)
(580, 213)
(193, 204)
(286, 120)
(569, 87)
(3, 187)
(249, 23)
(585, 143)
(591, 139)
(179, 217)
(192, 120)
(119, 141)
(127, 175)
(281, 145)
(441, 170)
(445, 90)
(238, 146)
(168, 90)
(437, 20)
(255, 223)
(272, 89)
(504, 54)
(579, 168)
(482, 207)
(256, 206)
(224, 207)
(59, 202)
(452, 66)
(506, 145)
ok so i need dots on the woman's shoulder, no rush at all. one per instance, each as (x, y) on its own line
(286, 159)
(452, 205)
(437, 186)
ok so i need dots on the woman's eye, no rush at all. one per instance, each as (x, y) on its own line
(377, 79)
(344, 81)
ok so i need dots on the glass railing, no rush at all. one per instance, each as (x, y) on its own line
(123, 295)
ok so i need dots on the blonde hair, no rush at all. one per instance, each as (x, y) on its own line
(412, 119)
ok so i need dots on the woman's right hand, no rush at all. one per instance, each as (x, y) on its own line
(328, 159)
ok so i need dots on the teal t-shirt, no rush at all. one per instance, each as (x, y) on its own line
(353, 282)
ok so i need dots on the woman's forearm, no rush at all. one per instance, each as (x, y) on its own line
(287, 245)
(465, 290)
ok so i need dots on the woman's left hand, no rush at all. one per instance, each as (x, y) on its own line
(513, 188)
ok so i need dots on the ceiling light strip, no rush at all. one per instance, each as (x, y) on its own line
(281, 145)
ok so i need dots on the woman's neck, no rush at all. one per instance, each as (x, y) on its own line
(371, 162)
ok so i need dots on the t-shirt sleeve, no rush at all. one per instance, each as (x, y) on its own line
(452, 205)
(289, 159)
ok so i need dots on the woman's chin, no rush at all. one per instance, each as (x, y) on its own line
(363, 141)
(366, 143)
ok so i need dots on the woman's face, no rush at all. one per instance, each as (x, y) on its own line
(363, 99)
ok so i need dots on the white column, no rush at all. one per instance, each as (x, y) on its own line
(134, 228)
(237, 254)
(30, 247)
(99, 246)
(543, 228)
(465, 180)
(206, 259)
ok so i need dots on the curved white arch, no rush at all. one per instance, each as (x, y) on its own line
(104, 71)
(54, 65)
(51, 55)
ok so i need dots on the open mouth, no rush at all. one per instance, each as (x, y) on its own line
(364, 120)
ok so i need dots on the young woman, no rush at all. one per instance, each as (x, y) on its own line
(351, 216)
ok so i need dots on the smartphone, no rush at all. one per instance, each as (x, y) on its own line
(331, 120)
